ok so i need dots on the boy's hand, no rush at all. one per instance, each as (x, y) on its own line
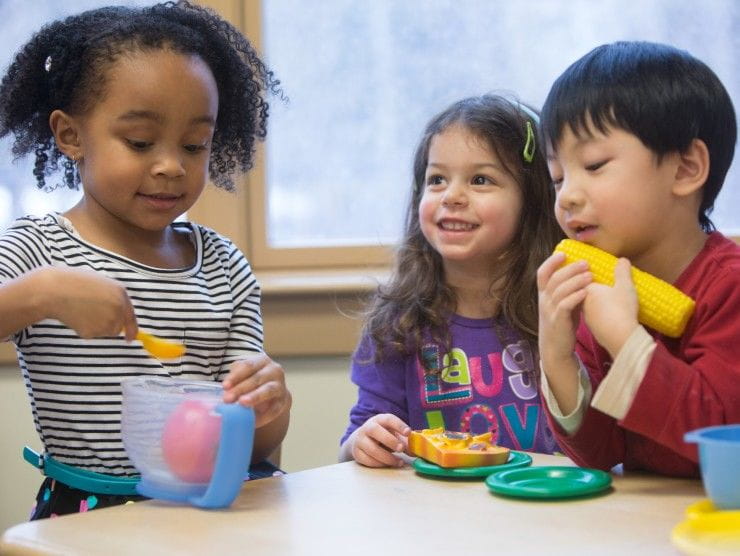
(379, 436)
(88, 302)
(562, 290)
(611, 312)
(258, 382)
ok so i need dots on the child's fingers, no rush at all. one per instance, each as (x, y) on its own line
(551, 275)
(267, 412)
(259, 395)
(393, 424)
(130, 326)
(369, 459)
(268, 402)
(253, 381)
(368, 451)
(548, 268)
(565, 289)
(377, 430)
(623, 274)
(243, 369)
(571, 293)
(362, 458)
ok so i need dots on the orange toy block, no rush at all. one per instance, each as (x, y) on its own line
(456, 449)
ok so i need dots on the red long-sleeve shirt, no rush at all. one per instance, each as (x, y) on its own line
(691, 382)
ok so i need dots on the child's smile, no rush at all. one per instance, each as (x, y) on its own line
(161, 201)
(449, 225)
(470, 208)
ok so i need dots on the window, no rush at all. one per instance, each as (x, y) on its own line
(364, 77)
(328, 193)
(18, 192)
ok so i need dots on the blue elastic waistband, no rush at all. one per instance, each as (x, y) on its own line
(97, 483)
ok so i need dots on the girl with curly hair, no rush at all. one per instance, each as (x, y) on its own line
(450, 340)
(140, 106)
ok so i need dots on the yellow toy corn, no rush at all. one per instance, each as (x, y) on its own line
(663, 307)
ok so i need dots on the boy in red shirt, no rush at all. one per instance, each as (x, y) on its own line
(640, 137)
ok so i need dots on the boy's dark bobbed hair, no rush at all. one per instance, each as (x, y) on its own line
(662, 95)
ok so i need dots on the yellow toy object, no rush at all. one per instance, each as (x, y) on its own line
(708, 530)
(456, 449)
(663, 307)
(159, 348)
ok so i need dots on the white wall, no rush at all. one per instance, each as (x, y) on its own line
(322, 397)
(18, 480)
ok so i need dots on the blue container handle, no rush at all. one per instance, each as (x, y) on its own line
(233, 457)
(693, 436)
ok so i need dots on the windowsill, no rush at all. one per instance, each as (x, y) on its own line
(315, 312)
(306, 282)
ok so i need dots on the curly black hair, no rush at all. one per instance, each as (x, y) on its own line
(64, 66)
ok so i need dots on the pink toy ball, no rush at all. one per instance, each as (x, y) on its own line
(190, 441)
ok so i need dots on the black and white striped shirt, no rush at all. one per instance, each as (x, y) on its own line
(74, 384)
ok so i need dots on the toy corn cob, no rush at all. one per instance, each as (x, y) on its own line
(663, 307)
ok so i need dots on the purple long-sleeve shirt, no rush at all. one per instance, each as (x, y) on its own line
(482, 387)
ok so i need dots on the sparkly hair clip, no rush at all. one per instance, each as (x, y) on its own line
(47, 64)
(529, 144)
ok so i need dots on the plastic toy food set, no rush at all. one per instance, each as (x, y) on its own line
(188, 445)
(456, 449)
(460, 455)
(663, 307)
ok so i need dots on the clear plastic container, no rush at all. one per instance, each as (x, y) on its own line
(187, 444)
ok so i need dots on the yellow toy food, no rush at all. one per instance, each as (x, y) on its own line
(663, 307)
(456, 449)
(159, 348)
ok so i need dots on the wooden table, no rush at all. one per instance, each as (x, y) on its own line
(349, 509)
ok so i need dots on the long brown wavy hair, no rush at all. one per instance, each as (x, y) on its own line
(416, 302)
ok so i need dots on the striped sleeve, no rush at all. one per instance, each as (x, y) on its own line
(23, 247)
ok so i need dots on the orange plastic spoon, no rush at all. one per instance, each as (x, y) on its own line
(159, 348)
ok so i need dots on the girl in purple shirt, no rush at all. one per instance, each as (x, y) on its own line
(450, 340)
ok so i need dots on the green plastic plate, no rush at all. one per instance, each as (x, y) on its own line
(549, 482)
(516, 460)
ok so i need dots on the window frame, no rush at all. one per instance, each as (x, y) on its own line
(312, 298)
(244, 219)
(242, 216)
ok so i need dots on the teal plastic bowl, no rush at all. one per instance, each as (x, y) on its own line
(719, 459)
